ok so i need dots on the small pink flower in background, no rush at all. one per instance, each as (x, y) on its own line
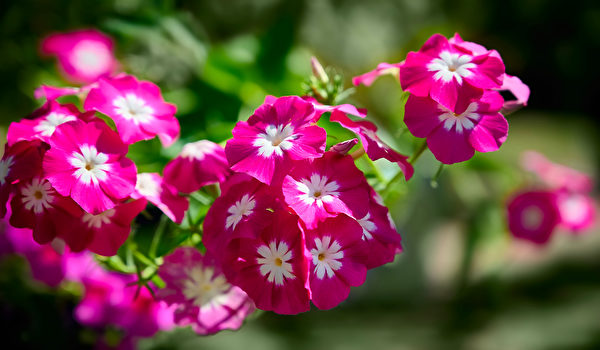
(272, 268)
(444, 70)
(199, 164)
(556, 176)
(137, 108)
(533, 215)
(102, 233)
(202, 296)
(337, 256)
(453, 135)
(152, 187)
(324, 187)
(87, 162)
(44, 121)
(374, 147)
(577, 211)
(274, 136)
(382, 69)
(83, 55)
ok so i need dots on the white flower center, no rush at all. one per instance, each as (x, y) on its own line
(91, 57)
(146, 185)
(451, 65)
(202, 287)
(274, 262)
(37, 196)
(96, 221)
(326, 255)
(368, 226)
(90, 165)
(5, 165)
(463, 121)
(275, 139)
(197, 150)
(243, 207)
(318, 189)
(532, 217)
(47, 126)
(133, 108)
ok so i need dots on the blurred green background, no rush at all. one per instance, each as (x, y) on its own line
(461, 283)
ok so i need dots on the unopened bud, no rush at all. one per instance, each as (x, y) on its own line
(318, 70)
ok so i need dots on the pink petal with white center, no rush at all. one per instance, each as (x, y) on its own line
(152, 187)
(87, 162)
(83, 55)
(274, 135)
(533, 215)
(382, 69)
(137, 108)
(201, 294)
(556, 176)
(577, 211)
(324, 187)
(374, 147)
(199, 164)
(272, 268)
(338, 256)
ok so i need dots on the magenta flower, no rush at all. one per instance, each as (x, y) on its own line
(273, 136)
(272, 268)
(202, 296)
(44, 121)
(324, 187)
(137, 108)
(199, 164)
(103, 233)
(83, 55)
(533, 215)
(372, 144)
(152, 187)
(444, 70)
(87, 162)
(453, 135)
(337, 254)
(382, 69)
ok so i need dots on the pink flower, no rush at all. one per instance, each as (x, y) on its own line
(337, 254)
(199, 164)
(446, 70)
(577, 211)
(374, 147)
(202, 295)
(273, 136)
(272, 268)
(533, 215)
(83, 55)
(87, 162)
(556, 176)
(382, 69)
(137, 108)
(454, 134)
(44, 121)
(103, 233)
(152, 187)
(324, 187)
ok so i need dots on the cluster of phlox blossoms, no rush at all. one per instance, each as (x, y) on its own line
(560, 199)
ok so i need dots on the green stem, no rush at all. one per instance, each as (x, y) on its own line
(434, 180)
(158, 235)
(422, 147)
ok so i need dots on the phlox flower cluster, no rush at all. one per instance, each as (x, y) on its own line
(296, 222)
(562, 200)
(454, 101)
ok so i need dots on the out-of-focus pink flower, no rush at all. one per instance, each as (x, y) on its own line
(533, 215)
(87, 162)
(382, 69)
(337, 256)
(152, 187)
(577, 211)
(274, 136)
(374, 147)
(444, 70)
(324, 187)
(272, 268)
(137, 108)
(42, 123)
(454, 134)
(199, 164)
(83, 55)
(202, 296)
(556, 176)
